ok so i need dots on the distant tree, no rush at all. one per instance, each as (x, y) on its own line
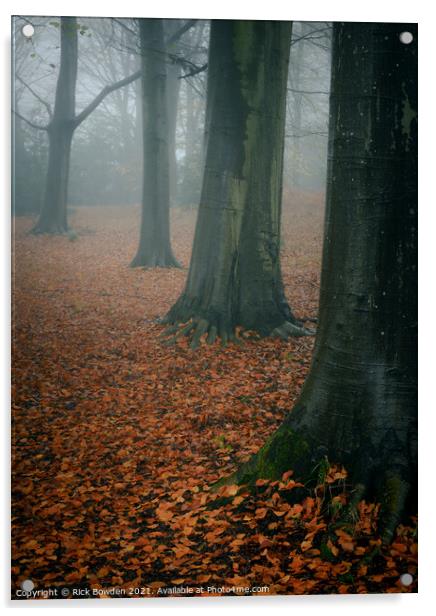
(28, 167)
(154, 241)
(358, 405)
(235, 277)
(60, 129)
(106, 157)
(181, 43)
(191, 119)
(160, 78)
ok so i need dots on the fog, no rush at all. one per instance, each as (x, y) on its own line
(214, 277)
(106, 155)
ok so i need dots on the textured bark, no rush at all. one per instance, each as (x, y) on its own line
(358, 405)
(154, 242)
(53, 216)
(234, 277)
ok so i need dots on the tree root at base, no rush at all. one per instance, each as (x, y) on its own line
(198, 330)
(288, 330)
(391, 492)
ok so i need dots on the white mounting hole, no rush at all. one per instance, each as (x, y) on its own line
(28, 30)
(406, 579)
(406, 37)
(27, 585)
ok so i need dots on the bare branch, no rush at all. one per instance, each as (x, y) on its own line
(178, 33)
(29, 122)
(194, 71)
(36, 95)
(308, 91)
(106, 90)
(308, 35)
(309, 134)
(123, 25)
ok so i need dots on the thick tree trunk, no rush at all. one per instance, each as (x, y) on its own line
(154, 243)
(53, 216)
(234, 277)
(358, 405)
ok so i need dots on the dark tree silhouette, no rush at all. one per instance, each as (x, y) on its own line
(53, 216)
(60, 129)
(358, 404)
(234, 277)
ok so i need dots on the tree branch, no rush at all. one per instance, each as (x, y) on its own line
(41, 100)
(308, 91)
(308, 35)
(100, 97)
(194, 71)
(178, 33)
(311, 134)
(32, 124)
(123, 25)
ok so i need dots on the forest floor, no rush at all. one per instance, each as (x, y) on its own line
(117, 437)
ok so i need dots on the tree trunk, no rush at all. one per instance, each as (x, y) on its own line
(297, 56)
(234, 277)
(53, 216)
(154, 243)
(173, 75)
(358, 405)
(191, 160)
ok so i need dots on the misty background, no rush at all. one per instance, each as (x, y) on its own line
(106, 160)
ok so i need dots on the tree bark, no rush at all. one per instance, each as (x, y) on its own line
(154, 243)
(53, 216)
(358, 405)
(235, 277)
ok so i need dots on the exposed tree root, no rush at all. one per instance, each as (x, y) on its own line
(199, 330)
(386, 487)
(391, 493)
(287, 330)
(202, 330)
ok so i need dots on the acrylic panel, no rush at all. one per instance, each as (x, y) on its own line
(214, 354)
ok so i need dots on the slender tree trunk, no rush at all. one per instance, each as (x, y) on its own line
(358, 405)
(191, 171)
(297, 56)
(154, 243)
(53, 216)
(20, 168)
(173, 74)
(234, 277)
(138, 137)
(187, 187)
